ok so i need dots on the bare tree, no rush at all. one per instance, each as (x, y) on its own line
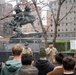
(44, 31)
(57, 20)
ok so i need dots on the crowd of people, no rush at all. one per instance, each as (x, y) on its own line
(50, 62)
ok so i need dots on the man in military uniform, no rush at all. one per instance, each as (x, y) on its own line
(51, 52)
(27, 50)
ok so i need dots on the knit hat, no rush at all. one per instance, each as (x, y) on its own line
(50, 42)
(26, 44)
(42, 52)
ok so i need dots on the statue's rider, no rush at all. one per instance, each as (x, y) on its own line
(21, 18)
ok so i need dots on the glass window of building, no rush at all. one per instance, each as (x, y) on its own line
(66, 35)
(58, 35)
(70, 1)
(51, 30)
(51, 35)
(74, 12)
(66, 18)
(70, 35)
(51, 25)
(66, 24)
(74, 0)
(58, 29)
(58, 24)
(74, 29)
(74, 18)
(51, 20)
(63, 35)
(66, 29)
(66, 1)
(74, 23)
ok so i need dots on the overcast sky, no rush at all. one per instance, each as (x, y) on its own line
(14, 1)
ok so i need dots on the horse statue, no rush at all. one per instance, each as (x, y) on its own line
(21, 18)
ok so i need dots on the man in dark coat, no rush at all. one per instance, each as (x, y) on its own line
(68, 65)
(58, 70)
(43, 65)
(27, 67)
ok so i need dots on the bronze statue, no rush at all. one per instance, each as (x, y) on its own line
(21, 18)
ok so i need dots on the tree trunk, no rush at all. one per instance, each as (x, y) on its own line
(43, 29)
(45, 39)
(57, 22)
(55, 35)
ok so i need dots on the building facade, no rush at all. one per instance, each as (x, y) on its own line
(5, 8)
(67, 27)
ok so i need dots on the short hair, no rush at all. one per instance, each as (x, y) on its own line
(68, 63)
(59, 58)
(17, 50)
(26, 59)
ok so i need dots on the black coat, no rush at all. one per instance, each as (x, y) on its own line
(68, 74)
(44, 67)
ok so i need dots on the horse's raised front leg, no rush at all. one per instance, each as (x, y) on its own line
(34, 27)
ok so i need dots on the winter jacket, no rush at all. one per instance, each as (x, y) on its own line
(11, 67)
(68, 74)
(51, 54)
(27, 51)
(57, 71)
(28, 70)
(44, 67)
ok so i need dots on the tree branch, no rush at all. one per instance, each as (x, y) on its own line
(34, 2)
(58, 12)
(52, 13)
(50, 6)
(57, 19)
(63, 1)
(10, 16)
(47, 28)
(6, 17)
(66, 14)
